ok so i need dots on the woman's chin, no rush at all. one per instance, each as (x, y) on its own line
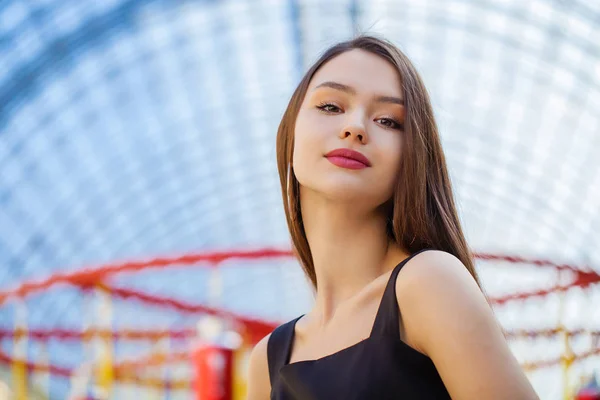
(349, 192)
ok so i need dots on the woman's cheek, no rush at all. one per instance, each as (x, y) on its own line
(390, 154)
(392, 146)
(303, 146)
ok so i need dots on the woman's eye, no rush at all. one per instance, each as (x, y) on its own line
(329, 108)
(390, 123)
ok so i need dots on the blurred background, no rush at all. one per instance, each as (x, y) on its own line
(141, 226)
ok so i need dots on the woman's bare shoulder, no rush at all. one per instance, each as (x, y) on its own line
(447, 317)
(259, 384)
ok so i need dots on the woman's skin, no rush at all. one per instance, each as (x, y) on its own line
(355, 101)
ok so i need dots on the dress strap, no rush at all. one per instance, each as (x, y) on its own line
(279, 348)
(387, 321)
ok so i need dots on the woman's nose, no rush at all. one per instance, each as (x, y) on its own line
(355, 130)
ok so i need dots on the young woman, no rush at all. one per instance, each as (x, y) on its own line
(398, 312)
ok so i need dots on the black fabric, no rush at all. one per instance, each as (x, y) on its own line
(379, 367)
(277, 348)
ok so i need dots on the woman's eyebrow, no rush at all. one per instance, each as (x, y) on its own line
(351, 90)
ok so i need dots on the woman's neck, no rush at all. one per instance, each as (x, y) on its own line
(349, 249)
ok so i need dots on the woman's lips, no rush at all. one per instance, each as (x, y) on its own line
(346, 162)
(347, 158)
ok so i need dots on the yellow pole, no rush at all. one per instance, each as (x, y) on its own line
(241, 356)
(567, 357)
(103, 343)
(84, 375)
(19, 367)
(567, 361)
(240, 365)
(163, 346)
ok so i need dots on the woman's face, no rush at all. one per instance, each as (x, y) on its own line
(354, 102)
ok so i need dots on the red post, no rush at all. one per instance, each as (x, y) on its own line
(213, 378)
(588, 394)
(591, 391)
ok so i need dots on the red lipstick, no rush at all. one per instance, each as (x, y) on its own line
(347, 158)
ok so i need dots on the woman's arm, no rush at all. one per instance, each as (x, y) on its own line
(259, 384)
(446, 317)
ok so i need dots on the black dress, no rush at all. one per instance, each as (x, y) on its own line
(381, 366)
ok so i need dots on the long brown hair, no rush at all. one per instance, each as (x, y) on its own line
(422, 213)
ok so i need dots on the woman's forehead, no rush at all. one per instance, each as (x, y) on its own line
(363, 71)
